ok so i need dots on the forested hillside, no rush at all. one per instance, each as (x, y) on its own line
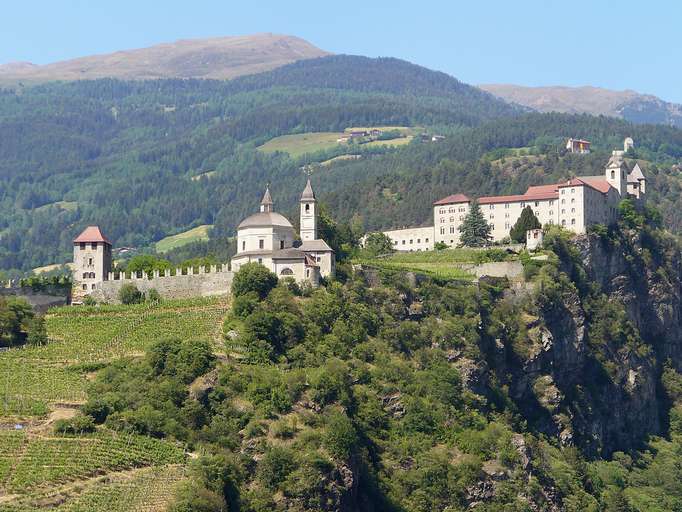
(149, 159)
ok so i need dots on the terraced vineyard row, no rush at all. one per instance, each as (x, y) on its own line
(145, 490)
(31, 463)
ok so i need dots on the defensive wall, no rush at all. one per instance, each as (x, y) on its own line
(213, 280)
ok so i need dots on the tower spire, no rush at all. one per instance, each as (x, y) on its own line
(308, 194)
(266, 203)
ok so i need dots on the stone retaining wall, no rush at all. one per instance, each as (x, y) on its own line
(203, 284)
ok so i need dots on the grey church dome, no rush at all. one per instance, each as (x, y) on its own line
(265, 219)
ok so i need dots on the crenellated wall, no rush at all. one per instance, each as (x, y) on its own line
(208, 281)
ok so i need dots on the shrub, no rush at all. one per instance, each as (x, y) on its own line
(253, 277)
(378, 243)
(36, 333)
(77, 425)
(340, 438)
(245, 304)
(129, 294)
(89, 301)
(153, 296)
(275, 466)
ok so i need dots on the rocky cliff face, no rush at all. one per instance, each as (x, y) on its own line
(569, 383)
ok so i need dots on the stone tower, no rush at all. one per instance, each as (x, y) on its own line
(91, 260)
(308, 214)
(616, 173)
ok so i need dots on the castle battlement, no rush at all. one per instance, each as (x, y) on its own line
(170, 273)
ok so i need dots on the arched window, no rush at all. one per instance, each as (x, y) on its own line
(287, 272)
(307, 208)
(613, 175)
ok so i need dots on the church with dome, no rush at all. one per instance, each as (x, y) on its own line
(267, 237)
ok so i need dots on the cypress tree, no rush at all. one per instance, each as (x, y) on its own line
(527, 220)
(475, 231)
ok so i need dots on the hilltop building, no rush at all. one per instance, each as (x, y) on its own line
(574, 204)
(578, 146)
(266, 237)
(269, 238)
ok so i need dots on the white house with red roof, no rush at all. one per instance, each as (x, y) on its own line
(574, 204)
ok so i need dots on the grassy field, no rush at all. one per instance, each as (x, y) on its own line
(49, 268)
(445, 264)
(391, 142)
(302, 143)
(34, 378)
(192, 235)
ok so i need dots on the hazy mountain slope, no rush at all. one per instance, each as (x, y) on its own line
(629, 105)
(219, 58)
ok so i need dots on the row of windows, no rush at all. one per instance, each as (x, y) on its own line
(83, 245)
(395, 242)
(88, 275)
(452, 209)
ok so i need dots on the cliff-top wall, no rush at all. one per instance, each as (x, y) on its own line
(210, 281)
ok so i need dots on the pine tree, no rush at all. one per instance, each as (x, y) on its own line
(526, 221)
(475, 231)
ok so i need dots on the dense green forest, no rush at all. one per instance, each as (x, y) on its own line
(123, 154)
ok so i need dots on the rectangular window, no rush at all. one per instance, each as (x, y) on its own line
(260, 260)
(243, 245)
(419, 240)
(261, 244)
(506, 205)
(492, 206)
(82, 246)
(452, 230)
(93, 245)
(90, 261)
(403, 242)
(442, 231)
(537, 203)
(281, 244)
(572, 221)
(411, 241)
(426, 240)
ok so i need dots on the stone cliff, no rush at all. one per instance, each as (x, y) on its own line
(596, 332)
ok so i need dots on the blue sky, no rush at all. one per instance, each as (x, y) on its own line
(618, 45)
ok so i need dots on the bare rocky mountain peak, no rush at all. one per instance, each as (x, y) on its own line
(627, 104)
(217, 58)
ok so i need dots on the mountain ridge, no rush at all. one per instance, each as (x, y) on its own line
(218, 58)
(628, 104)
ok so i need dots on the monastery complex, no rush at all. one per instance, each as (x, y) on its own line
(575, 205)
(266, 237)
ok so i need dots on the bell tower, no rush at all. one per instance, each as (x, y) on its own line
(308, 214)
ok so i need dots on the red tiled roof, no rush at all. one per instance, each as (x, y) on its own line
(518, 197)
(91, 234)
(454, 198)
(542, 189)
(598, 184)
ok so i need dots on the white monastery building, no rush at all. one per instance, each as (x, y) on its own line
(575, 205)
(269, 238)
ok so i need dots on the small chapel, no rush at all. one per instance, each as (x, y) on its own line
(267, 237)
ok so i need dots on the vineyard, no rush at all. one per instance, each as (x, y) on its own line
(104, 470)
(80, 338)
